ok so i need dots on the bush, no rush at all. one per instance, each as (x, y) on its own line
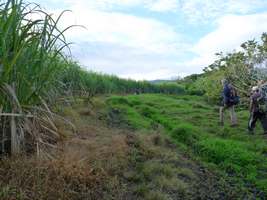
(185, 133)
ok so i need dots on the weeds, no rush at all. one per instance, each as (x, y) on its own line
(192, 124)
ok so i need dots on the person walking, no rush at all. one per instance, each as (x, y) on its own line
(258, 110)
(229, 101)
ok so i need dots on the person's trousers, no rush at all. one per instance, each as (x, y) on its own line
(254, 117)
(232, 114)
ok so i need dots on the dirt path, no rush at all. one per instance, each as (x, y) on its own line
(139, 165)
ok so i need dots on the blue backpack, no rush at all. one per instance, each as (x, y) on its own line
(234, 98)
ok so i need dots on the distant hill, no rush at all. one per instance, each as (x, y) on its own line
(159, 81)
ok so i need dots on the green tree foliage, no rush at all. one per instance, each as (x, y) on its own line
(190, 84)
(242, 68)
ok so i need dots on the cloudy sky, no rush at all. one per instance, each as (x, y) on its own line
(157, 39)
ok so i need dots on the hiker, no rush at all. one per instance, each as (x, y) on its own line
(230, 99)
(258, 109)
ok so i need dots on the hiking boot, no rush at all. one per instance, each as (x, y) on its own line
(234, 125)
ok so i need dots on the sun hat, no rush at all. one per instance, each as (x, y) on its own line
(254, 88)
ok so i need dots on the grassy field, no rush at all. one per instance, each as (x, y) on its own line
(151, 146)
(193, 125)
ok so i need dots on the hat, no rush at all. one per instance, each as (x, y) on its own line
(254, 88)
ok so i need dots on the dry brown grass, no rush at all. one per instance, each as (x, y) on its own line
(84, 166)
(100, 162)
(28, 178)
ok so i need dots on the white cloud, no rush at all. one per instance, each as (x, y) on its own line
(163, 5)
(149, 75)
(205, 11)
(125, 61)
(120, 42)
(109, 5)
(104, 4)
(120, 28)
(231, 32)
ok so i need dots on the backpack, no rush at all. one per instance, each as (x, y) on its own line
(234, 99)
(262, 100)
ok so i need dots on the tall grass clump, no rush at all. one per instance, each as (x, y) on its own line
(185, 133)
(30, 59)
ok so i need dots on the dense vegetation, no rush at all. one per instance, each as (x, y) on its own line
(84, 83)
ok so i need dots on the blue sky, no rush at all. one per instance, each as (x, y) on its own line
(157, 39)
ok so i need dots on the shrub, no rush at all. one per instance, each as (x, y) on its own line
(185, 133)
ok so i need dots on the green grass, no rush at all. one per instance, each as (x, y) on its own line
(185, 133)
(193, 125)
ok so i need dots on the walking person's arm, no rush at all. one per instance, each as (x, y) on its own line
(251, 105)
